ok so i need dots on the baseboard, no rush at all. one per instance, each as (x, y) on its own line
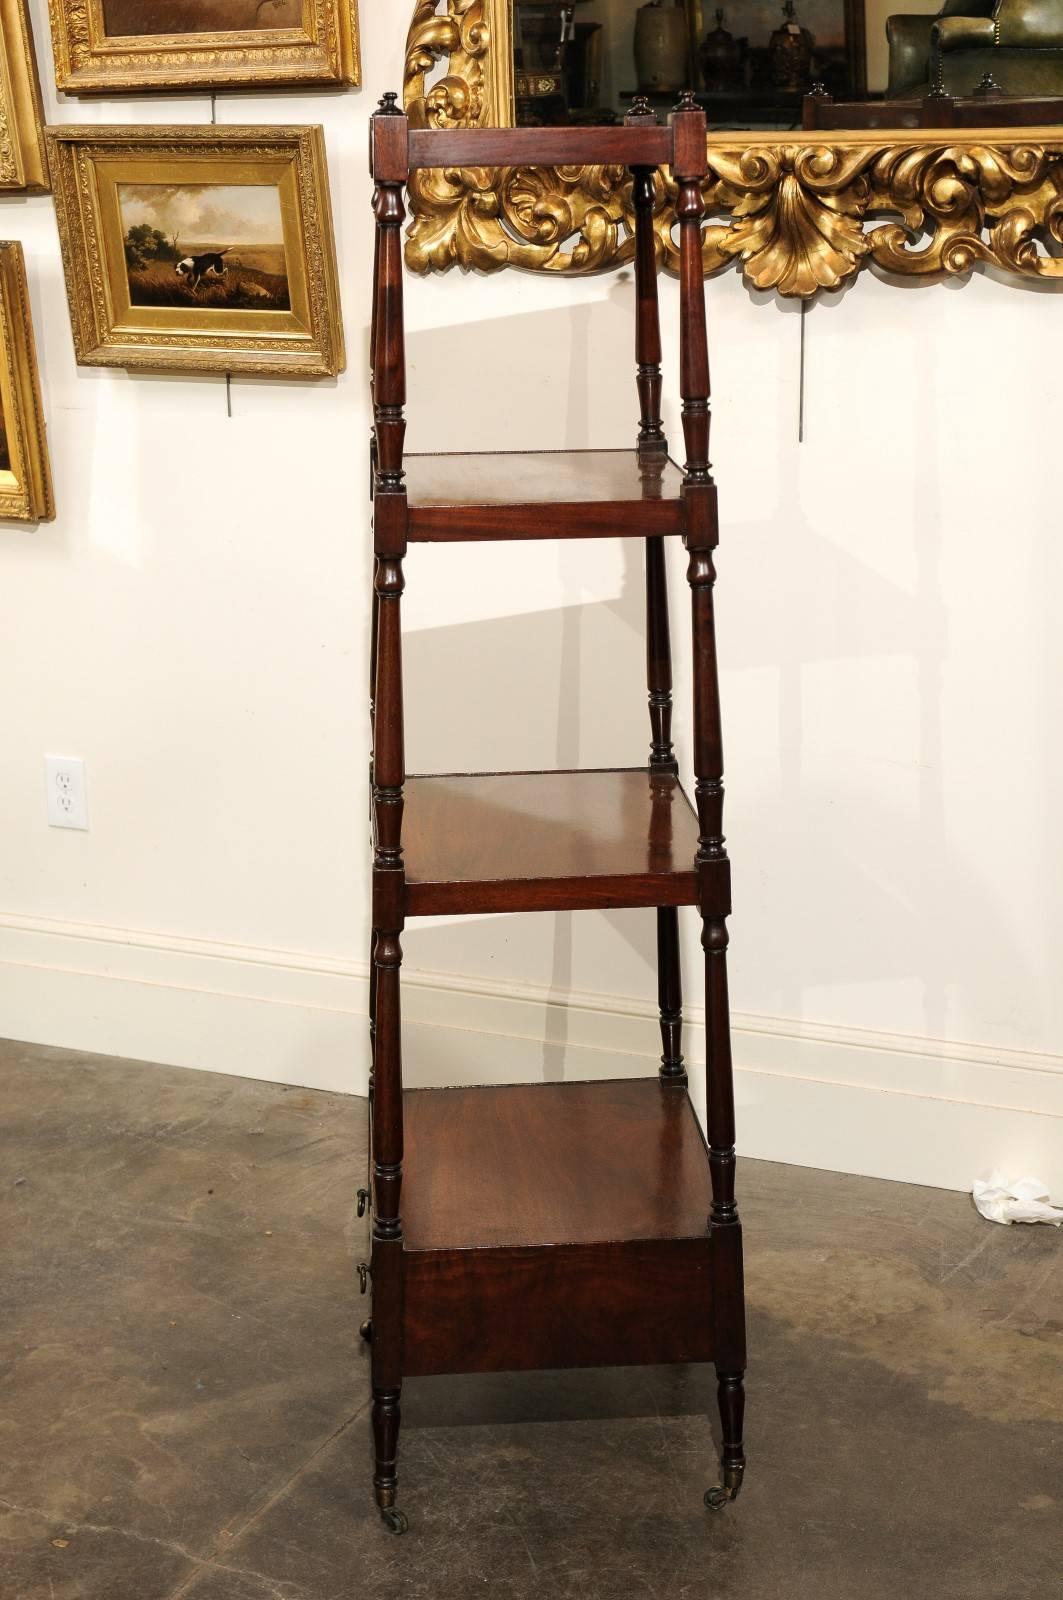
(279, 1015)
(849, 1100)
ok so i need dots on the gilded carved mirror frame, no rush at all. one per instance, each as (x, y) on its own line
(798, 213)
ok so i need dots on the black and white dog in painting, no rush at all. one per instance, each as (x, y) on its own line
(193, 269)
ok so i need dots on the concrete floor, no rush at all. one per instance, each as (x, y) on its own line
(183, 1395)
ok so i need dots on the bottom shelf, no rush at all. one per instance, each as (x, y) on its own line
(554, 1225)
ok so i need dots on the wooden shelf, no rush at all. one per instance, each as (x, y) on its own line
(545, 494)
(547, 841)
(560, 1224)
(552, 1163)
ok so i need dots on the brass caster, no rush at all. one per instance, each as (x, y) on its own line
(366, 1330)
(395, 1521)
(721, 1494)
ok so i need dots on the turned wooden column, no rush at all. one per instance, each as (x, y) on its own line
(390, 172)
(713, 871)
(364, 1195)
(653, 454)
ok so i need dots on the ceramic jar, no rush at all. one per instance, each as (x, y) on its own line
(791, 48)
(661, 45)
(721, 58)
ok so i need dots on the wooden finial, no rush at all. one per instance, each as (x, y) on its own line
(389, 106)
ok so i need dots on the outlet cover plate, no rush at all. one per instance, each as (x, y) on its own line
(67, 800)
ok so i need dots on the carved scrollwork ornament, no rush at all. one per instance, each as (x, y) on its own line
(797, 215)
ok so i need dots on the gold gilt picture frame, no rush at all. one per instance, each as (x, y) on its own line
(199, 249)
(798, 212)
(23, 162)
(25, 476)
(127, 46)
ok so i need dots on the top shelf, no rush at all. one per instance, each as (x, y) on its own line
(542, 494)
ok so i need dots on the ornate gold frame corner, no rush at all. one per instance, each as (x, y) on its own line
(89, 62)
(798, 215)
(25, 483)
(23, 160)
(306, 342)
(477, 88)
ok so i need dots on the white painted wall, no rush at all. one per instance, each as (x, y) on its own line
(195, 626)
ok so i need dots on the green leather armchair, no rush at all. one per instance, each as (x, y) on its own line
(1019, 42)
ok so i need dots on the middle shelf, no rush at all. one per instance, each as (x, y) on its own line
(542, 494)
(547, 841)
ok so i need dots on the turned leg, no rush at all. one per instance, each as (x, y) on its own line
(386, 1418)
(387, 1133)
(365, 1196)
(652, 456)
(713, 871)
(725, 1230)
(387, 1229)
(670, 996)
(732, 1401)
(714, 896)
(662, 760)
(363, 1206)
(390, 167)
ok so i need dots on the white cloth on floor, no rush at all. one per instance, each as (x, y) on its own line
(1003, 1199)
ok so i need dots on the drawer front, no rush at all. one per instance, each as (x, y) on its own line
(513, 1310)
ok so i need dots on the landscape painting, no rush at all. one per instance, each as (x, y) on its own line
(5, 453)
(203, 248)
(209, 246)
(139, 18)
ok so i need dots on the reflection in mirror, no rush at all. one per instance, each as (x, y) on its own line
(787, 63)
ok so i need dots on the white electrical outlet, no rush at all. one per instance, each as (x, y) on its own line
(65, 780)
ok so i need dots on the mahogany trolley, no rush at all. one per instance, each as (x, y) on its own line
(571, 1224)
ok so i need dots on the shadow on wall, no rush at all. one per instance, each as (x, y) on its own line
(555, 677)
(549, 689)
(488, 375)
(842, 872)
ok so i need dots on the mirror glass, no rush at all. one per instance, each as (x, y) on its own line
(753, 62)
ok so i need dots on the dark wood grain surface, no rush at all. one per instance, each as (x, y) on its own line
(629, 1303)
(539, 147)
(536, 841)
(553, 1163)
(542, 494)
(555, 1225)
